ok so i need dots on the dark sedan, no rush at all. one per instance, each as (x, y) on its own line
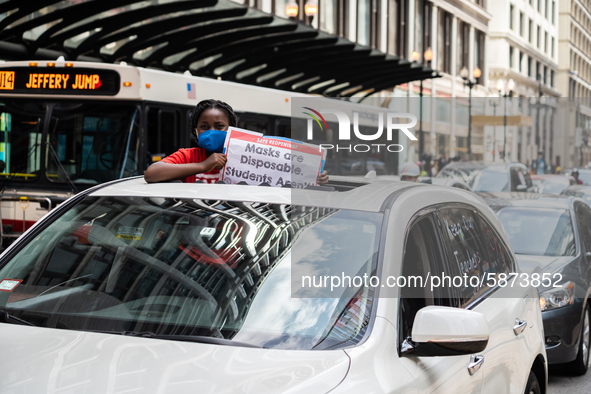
(551, 237)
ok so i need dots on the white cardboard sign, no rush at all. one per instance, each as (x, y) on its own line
(255, 159)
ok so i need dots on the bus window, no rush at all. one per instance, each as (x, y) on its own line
(283, 128)
(163, 128)
(21, 125)
(254, 123)
(93, 142)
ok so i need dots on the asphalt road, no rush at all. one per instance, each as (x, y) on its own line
(562, 383)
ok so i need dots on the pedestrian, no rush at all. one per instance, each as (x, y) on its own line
(409, 172)
(209, 125)
(575, 175)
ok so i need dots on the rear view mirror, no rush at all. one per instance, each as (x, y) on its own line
(447, 331)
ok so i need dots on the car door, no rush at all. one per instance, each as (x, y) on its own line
(475, 252)
(423, 257)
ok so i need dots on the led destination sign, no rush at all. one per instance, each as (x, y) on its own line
(84, 81)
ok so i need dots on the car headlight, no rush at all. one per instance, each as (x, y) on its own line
(558, 297)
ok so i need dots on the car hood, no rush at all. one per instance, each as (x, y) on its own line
(43, 360)
(530, 264)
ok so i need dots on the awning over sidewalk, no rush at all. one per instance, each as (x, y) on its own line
(211, 38)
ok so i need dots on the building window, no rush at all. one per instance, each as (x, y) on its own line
(545, 75)
(444, 41)
(553, 12)
(481, 3)
(422, 26)
(530, 66)
(552, 78)
(538, 70)
(546, 9)
(510, 57)
(463, 45)
(531, 31)
(479, 52)
(520, 61)
(328, 16)
(540, 6)
(363, 22)
(538, 37)
(511, 10)
(343, 18)
(552, 47)
(531, 2)
(397, 26)
(545, 42)
(521, 24)
(279, 6)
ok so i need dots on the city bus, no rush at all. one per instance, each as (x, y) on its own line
(66, 126)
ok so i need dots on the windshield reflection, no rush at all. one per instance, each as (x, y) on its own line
(196, 267)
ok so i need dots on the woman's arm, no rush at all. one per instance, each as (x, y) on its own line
(162, 171)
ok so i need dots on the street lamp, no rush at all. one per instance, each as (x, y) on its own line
(292, 9)
(427, 56)
(311, 9)
(494, 103)
(505, 90)
(465, 74)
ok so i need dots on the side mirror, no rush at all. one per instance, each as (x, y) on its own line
(447, 331)
(588, 257)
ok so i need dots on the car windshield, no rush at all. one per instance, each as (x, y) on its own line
(585, 176)
(554, 185)
(491, 181)
(193, 267)
(537, 231)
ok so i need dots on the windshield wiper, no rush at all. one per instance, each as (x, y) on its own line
(6, 317)
(185, 338)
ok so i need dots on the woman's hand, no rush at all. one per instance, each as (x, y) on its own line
(215, 161)
(323, 178)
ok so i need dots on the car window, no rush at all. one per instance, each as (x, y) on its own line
(491, 181)
(422, 258)
(518, 178)
(470, 251)
(500, 258)
(539, 231)
(583, 214)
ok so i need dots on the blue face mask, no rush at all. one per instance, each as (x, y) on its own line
(212, 140)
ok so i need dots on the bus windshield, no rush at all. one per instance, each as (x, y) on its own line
(89, 142)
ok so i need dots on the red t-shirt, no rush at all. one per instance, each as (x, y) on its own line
(193, 155)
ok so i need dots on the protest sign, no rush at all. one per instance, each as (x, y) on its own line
(255, 159)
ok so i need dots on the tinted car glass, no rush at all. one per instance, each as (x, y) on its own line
(554, 185)
(468, 246)
(584, 225)
(538, 231)
(491, 181)
(422, 257)
(196, 267)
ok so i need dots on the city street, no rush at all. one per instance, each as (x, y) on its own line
(563, 383)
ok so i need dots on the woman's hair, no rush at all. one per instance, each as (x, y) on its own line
(212, 104)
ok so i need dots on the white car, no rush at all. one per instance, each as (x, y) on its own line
(196, 288)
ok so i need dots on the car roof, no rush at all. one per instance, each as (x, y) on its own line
(551, 176)
(527, 200)
(360, 194)
(586, 189)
